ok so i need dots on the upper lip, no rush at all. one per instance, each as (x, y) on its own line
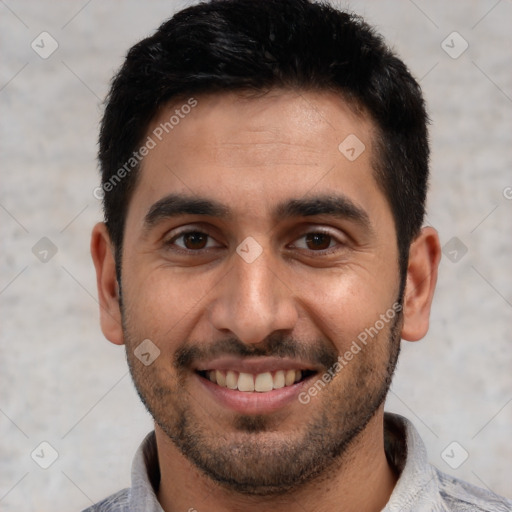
(254, 365)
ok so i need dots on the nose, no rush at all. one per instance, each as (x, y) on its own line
(252, 302)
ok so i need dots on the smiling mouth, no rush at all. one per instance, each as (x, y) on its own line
(255, 383)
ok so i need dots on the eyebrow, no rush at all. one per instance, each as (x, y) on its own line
(335, 205)
(175, 205)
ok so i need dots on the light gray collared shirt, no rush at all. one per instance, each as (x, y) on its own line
(420, 488)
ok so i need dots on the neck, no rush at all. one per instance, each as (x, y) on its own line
(362, 481)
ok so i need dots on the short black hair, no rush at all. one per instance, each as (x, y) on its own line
(246, 45)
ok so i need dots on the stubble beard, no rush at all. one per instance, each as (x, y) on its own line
(255, 458)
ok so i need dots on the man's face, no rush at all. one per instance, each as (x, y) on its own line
(278, 253)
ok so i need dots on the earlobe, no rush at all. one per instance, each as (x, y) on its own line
(108, 290)
(424, 258)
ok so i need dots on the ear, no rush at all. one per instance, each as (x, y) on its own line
(424, 257)
(108, 291)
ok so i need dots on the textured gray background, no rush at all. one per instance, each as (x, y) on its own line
(63, 383)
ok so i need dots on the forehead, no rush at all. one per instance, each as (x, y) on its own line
(243, 130)
(254, 152)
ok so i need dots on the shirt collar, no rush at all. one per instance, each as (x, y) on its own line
(417, 488)
(145, 477)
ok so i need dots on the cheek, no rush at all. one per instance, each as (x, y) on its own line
(163, 305)
(347, 303)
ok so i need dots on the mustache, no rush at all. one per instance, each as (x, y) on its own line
(318, 352)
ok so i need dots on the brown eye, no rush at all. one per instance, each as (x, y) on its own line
(318, 241)
(195, 240)
(192, 241)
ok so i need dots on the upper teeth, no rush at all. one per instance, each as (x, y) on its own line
(260, 382)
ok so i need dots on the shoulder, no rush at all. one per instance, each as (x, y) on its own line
(118, 502)
(461, 496)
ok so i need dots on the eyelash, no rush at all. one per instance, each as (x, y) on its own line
(171, 242)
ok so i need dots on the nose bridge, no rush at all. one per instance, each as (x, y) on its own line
(252, 302)
(255, 284)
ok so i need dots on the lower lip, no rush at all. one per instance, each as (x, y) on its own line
(254, 402)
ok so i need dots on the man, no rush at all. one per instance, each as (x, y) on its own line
(264, 172)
